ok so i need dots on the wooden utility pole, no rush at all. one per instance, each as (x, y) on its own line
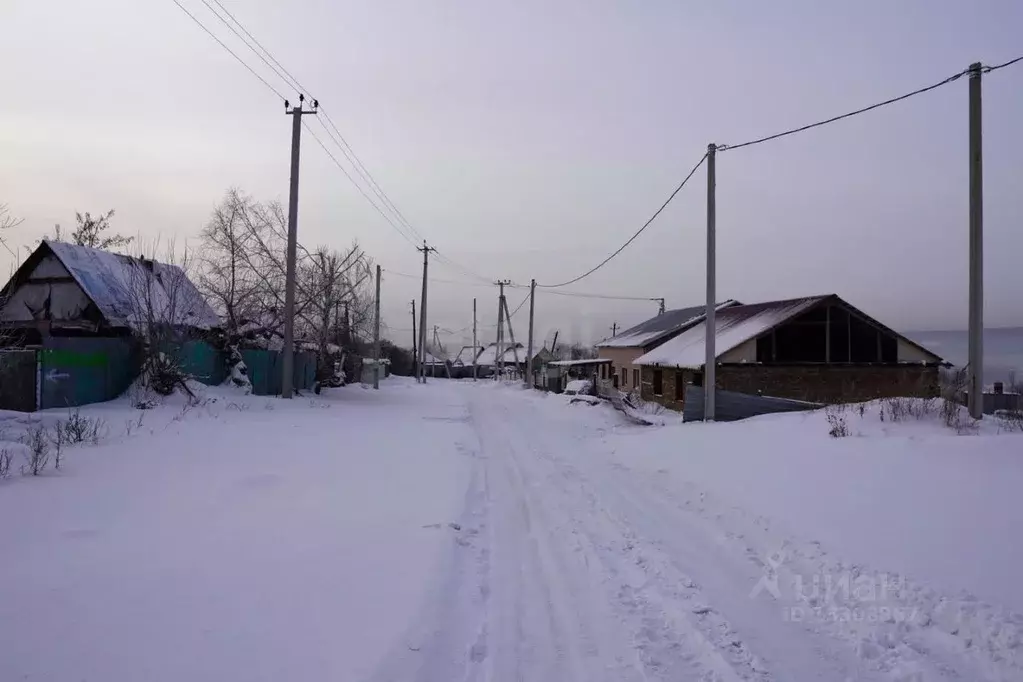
(614, 329)
(376, 337)
(529, 343)
(415, 354)
(511, 333)
(288, 352)
(976, 350)
(475, 343)
(710, 359)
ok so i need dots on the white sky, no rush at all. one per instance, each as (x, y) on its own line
(530, 139)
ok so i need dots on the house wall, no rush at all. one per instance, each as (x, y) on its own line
(67, 301)
(622, 357)
(671, 379)
(815, 383)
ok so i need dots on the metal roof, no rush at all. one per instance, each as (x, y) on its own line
(733, 326)
(588, 361)
(116, 282)
(650, 331)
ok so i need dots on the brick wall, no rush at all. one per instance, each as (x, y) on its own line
(815, 383)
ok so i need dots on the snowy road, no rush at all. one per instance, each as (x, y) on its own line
(573, 566)
(451, 533)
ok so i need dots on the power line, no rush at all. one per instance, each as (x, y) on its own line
(518, 307)
(609, 297)
(989, 69)
(633, 237)
(893, 100)
(337, 163)
(440, 281)
(291, 80)
(229, 50)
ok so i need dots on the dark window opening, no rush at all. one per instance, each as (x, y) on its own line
(635, 377)
(658, 382)
(697, 378)
(863, 340)
(839, 339)
(765, 348)
(889, 348)
(680, 386)
(625, 377)
(800, 342)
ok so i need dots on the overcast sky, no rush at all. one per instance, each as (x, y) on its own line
(531, 138)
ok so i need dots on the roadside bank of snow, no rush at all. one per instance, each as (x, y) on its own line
(251, 538)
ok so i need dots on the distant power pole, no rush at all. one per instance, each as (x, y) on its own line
(614, 329)
(976, 360)
(660, 306)
(415, 353)
(288, 354)
(710, 359)
(422, 315)
(499, 357)
(376, 337)
(475, 343)
(529, 343)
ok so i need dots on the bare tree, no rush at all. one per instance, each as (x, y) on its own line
(164, 306)
(91, 232)
(329, 281)
(225, 274)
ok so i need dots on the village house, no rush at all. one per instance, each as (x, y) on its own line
(818, 348)
(624, 348)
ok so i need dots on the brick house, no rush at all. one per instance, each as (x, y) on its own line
(818, 348)
(625, 347)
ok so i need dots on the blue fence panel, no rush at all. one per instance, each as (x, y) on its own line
(80, 371)
(732, 406)
(265, 370)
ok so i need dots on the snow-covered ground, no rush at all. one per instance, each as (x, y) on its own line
(461, 531)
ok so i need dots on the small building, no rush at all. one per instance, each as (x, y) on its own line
(624, 348)
(818, 349)
(560, 372)
(369, 368)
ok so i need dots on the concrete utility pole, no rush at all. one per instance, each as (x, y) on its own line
(475, 343)
(511, 333)
(415, 353)
(710, 361)
(376, 337)
(422, 315)
(614, 329)
(499, 358)
(976, 360)
(288, 354)
(660, 306)
(529, 343)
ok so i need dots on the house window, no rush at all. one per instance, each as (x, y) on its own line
(635, 377)
(625, 377)
(680, 386)
(658, 382)
(697, 378)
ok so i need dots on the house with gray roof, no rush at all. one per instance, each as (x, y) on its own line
(815, 348)
(625, 347)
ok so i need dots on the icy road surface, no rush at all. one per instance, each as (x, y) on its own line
(459, 533)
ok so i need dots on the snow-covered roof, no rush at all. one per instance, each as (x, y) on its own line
(487, 357)
(466, 354)
(570, 363)
(431, 359)
(733, 326)
(649, 331)
(117, 283)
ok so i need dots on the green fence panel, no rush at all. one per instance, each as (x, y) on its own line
(203, 362)
(81, 371)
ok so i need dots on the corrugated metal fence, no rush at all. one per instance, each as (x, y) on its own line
(732, 406)
(80, 371)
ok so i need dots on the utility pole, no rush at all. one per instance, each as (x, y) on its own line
(529, 343)
(499, 358)
(976, 361)
(415, 353)
(376, 337)
(475, 343)
(710, 361)
(511, 334)
(660, 307)
(288, 364)
(614, 329)
(422, 315)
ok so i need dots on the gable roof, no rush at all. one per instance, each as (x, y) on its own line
(652, 330)
(488, 357)
(738, 324)
(466, 354)
(109, 279)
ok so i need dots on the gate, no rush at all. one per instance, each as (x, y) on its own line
(18, 374)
